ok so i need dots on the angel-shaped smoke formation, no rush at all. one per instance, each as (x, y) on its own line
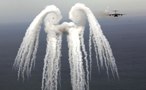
(79, 72)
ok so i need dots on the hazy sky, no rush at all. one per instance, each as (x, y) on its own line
(26, 10)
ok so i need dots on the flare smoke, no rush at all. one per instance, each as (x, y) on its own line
(80, 73)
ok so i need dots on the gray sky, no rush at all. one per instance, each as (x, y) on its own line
(25, 10)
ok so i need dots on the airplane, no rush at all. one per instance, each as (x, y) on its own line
(115, 14)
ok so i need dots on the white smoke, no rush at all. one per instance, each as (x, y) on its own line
(53, 51)
(26, 55)
(75, 57)
(80, 67)
(102, 48)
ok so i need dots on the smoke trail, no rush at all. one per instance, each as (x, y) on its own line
(85, 58)
(26, 55)
(75, 57)
(51, 62)
(90, 52)
(76, 44)
(53, 52)
(102, 48)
